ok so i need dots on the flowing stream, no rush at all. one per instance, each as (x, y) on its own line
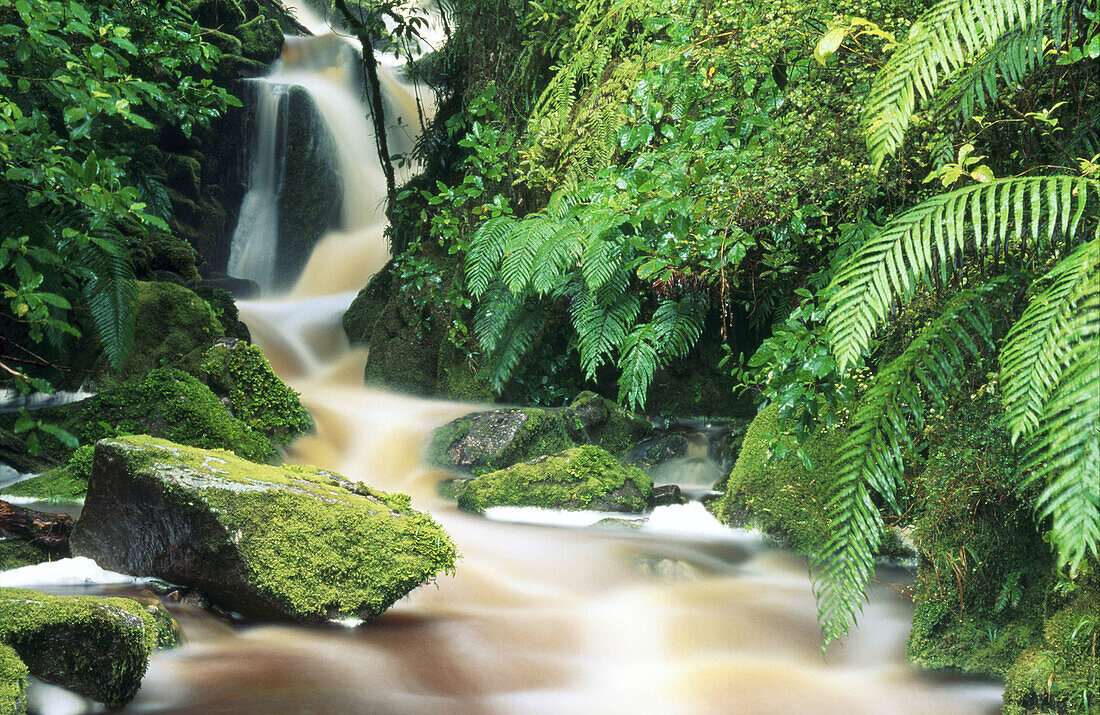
(543, 615)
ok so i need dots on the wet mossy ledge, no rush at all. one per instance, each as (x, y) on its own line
(483, 442)
(267, 542)
(582, 478)
(97, 647)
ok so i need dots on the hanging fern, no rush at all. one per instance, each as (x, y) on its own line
(871, 459)
(977, 42)
(922, 243)
(111, 293)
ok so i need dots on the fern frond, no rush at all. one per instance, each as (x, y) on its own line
(603, 320)
(872, 455)
(673, 331)
(486, 251)
(938, 45)
(1034, 357)
(1064, 454)
(111, 294)
(519, 254)
(887, 269)
(514, 340)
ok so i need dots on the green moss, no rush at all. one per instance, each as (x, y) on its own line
(68, 483)
(256, 395)
(585, 477)
(172, 328)
(985, 571)
(98, 647)
(13, 682)
(779, 496)
(159, 251)
(166, 403)
(1061, 672)
(361, 315)
(225, 310)
(312, 541)
(609, 425)
(17, 552)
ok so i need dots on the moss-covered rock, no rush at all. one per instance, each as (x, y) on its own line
(1060, 673)
(985, 571)
(362, 314)
(267, 542)
(607, 424)
(67, 483)
(779, 496)
(173, 328)
(166, 403)
(15, 552)
(486, 441)
(158, 251)
(225, 310)
(585, 477)
(240, 373)
(98, 647)
(13, 682)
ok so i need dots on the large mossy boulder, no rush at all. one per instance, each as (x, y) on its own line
(267, 542)
(97, 647)
(13, 682)
(781, 497)
(240, 374)
(486, 441)
(166, 403)
(585, 477)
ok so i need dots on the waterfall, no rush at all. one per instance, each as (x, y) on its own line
(252, 251)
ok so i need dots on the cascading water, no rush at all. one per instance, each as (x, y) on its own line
(682, 615)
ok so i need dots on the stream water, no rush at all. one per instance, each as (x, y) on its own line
(544, 615)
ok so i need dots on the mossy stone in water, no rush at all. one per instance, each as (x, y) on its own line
(779, 496)
(585, 477)
(13, 682)
(486, 441)
(268, 542)
(98, 647)
(68, 483)
(608, 424)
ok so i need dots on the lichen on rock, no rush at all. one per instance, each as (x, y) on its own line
(586, 477)
(267, 542)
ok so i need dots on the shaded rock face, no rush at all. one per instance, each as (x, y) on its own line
(585, 477)
(97, 647)
(266, 542)
(486, 441)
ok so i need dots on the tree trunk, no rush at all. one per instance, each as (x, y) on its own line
(374, 96)
(50, 531)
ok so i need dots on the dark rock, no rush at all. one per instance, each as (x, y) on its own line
(225, 309)
(239, 288)
(586, 477)
(667, 495)
(609, 425)
(267, 542)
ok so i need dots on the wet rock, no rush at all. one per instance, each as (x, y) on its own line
(239, 288)
(672, 569)
(667, 495)
(225, 310)
(613, 524)
(609, 425)
(487, 441)
(97, 647)
(585, 477)
(266, 542)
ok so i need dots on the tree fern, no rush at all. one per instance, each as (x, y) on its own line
(941, 45)
(920, 244)
(871, 458)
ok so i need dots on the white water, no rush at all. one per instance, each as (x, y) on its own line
(252, 251)
(79, 571)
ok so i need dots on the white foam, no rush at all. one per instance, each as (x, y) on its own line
(691, 519)
(79, 571)
(548, 517)
(17, 500)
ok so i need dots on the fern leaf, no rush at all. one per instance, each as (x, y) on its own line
(872, 455)
(603, 320)
(486, 251)
(1061, 317)
(673, 331)
(111, 295)
(888, 269)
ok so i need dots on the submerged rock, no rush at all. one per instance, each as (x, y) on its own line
(267, 542)
(486, 441)
(585, 477)
(98, 647)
